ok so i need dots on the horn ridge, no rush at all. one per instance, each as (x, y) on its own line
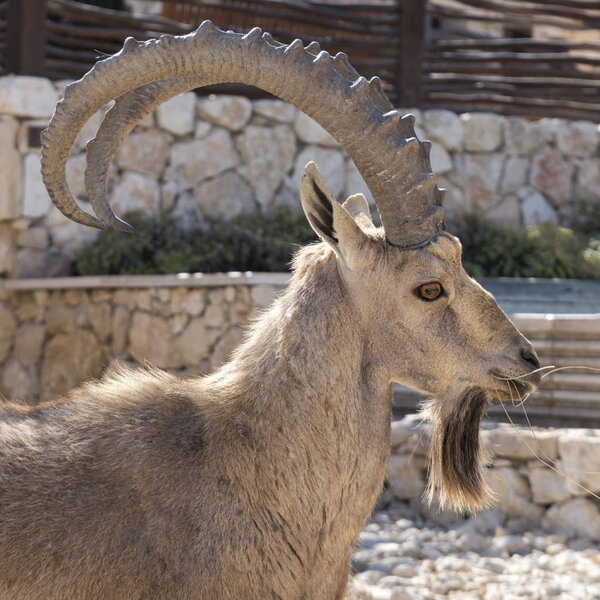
(326, 88)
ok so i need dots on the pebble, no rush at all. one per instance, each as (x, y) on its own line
(400, 556)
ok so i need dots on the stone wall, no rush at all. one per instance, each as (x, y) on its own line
(53, 338)
(529, 493)
(221, 156)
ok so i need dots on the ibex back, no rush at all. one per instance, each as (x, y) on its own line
(254, 482)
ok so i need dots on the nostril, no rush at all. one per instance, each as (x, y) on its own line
(529, 357)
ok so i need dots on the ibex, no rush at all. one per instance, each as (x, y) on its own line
(255, 481)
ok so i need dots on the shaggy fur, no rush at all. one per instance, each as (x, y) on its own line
(253, 482)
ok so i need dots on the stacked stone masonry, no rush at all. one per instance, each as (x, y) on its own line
(221, 156)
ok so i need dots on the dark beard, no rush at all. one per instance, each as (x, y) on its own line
(456, 459)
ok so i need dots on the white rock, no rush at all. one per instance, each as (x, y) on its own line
(483, 176)
(232, 112)
(310, 132)
(10, 170)
(580, 460)
(330, 163)
(523, 443)
(444, 127)
(483, 132)
(440, 159)
(199, 159)
(136, 192)
(145, 152)
(404, 478)
(7, 256)
(194, 344)
(36, 201)
(587, 183)
(577, 138)
(263, 295)
(551, 174)
(89, 129)
(507, 211)
(178, 115)
(225, 196)
(535, 207)
(514, 174)
(355, 184)
(521, 136)
(547, 486)
(202, 129)
(511, 490)
(577, 517)
(75, 171)
(276, 110)
(26, 96)
(268, 154)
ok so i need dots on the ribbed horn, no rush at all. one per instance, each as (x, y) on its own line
(382, 143)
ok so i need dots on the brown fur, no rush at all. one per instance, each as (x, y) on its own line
(253, 482)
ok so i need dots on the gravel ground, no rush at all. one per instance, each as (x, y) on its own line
(400, 556)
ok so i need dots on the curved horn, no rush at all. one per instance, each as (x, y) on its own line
(394, 164)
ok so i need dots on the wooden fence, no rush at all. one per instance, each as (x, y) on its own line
(495, 55)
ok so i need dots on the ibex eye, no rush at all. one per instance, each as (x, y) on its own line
(430, 291)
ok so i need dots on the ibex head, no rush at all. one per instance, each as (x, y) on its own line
(425, 322)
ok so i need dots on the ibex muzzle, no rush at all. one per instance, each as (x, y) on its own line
(254, 482)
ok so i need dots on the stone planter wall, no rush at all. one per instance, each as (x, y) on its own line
(221, 156)
(529, 494)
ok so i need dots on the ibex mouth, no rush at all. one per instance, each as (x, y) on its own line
(456, 457)
(515, 388)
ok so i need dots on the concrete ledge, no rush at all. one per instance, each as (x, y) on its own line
(187, 280)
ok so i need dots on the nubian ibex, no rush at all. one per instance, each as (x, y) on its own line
(254, 482)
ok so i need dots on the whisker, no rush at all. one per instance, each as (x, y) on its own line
(523, 374)
(555, 369)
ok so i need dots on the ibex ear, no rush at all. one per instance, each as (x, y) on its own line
(358, 207)
(332, 223)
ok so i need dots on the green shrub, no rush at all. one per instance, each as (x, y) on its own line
(159, 245)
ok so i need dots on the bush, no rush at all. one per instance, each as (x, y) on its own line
(159, 245)
(254, 243)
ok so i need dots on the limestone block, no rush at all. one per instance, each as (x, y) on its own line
(405, 429)
(19, 382)
(276, 110)
(10, 170)
(187, 211)
(136, 192)
(263, 295)
(507, 211)
(444, 127)
(194, 344)
(268, 154)
(580, 460)
(514, 174)
(551, 174)
(145, 152)
(535, 207)
(232, 112)
(483, 176)
(36, 201)
(510, 489)
(330, 163)
(228, 342)
(178, 115)
(505, 442)
(150, 339)
(69, 359)
(202, 129)
(355, 184)
(29, 340)
(457, 202)
(7, 249)
(404, 478)
(310, 132)
(579, 517)
(8, 323)
(287, 197)
(547, 486)
(587, 182)
(521, 136)
(483, 132)
(199, 159)
(214, 315)
(89, 129)
(100, 318)
(577, 138)
(119, 328)
(440, 159)
(25, 96)
(225, 196)
(191, 302)
(75, 170)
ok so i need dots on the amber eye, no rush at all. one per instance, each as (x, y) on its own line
(430, 291)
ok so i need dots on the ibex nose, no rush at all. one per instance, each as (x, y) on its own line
(530, 357)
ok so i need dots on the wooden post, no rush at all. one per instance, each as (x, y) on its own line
(412, 46)
(26, 37)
